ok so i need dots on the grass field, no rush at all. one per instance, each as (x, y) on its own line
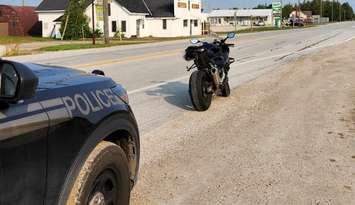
(21, 39)
(261, 29)
(114, 42)
(77, 46)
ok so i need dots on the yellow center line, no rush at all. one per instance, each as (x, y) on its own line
(130, 59)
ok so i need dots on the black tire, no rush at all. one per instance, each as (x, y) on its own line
(200, 97)
(104, 174)
(225, 91)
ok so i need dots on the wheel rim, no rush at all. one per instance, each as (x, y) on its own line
(105, 189)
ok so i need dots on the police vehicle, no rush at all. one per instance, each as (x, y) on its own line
(66, 137)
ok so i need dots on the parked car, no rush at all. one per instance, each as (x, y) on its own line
(296, 22)
(259, 23)
(66, 137)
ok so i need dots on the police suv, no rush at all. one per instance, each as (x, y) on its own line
(66, 137)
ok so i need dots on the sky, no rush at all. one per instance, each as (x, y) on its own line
(209, 3)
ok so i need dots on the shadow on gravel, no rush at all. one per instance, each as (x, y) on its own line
(175, 93)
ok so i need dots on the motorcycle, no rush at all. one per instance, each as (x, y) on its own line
(212, 62)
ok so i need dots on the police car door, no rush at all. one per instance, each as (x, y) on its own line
(23, 132)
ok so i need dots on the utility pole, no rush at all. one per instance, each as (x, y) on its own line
(332, 10)
(321, 11)
(23, 2)
(106, 29)
(339, 11)
(282, 20)
(93, 22)
(235, 21)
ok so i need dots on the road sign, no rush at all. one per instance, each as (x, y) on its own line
(277, 12)
(276, 7)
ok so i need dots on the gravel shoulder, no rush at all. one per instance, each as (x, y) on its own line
(287, 137)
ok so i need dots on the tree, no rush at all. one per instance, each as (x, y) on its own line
(314, 6)
(265, 6)
(348, 12)
(287, 10)
(74, 22)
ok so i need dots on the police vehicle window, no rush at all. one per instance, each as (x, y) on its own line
(8, 80)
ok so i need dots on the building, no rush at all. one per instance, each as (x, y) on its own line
(320, 20)
(17, 20)
(227, 20)
(138, 18)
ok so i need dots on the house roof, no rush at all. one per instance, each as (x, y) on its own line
(160, 8)
(50, 5)
(155, 8)
(134, 6)
(241, 13)
(308, 13)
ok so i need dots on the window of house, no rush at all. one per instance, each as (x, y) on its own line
(186, 23)
(195, 23)
(109, 9)
(0, 13)
(165, 24)
(220, 21)
(114, 26)
(123, 26)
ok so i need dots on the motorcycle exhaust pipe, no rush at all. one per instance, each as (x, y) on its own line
(216, 77)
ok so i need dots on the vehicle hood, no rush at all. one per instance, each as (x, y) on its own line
(51, 77)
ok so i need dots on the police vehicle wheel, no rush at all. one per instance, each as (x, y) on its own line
(200, 90)
(104, 178)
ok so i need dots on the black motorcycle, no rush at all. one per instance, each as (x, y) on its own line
(212, 62)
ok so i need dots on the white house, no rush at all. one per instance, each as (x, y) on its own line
(141, 18)
(221, 20)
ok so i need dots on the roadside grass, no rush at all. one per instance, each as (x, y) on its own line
(77, 46)
(21, 39)
(262, 29)
(113, 42)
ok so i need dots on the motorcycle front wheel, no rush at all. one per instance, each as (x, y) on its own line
(200, 90)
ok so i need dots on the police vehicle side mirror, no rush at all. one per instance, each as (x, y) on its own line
(17, 82)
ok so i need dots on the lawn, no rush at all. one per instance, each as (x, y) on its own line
(77, 46)
(261, 29)
(21, 39)
(114, 42)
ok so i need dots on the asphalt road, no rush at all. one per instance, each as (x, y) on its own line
(155, 74)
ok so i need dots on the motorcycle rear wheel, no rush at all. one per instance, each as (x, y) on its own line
(200, 93)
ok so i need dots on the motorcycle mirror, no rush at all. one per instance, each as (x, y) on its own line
(231, 35)
(195, 41)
